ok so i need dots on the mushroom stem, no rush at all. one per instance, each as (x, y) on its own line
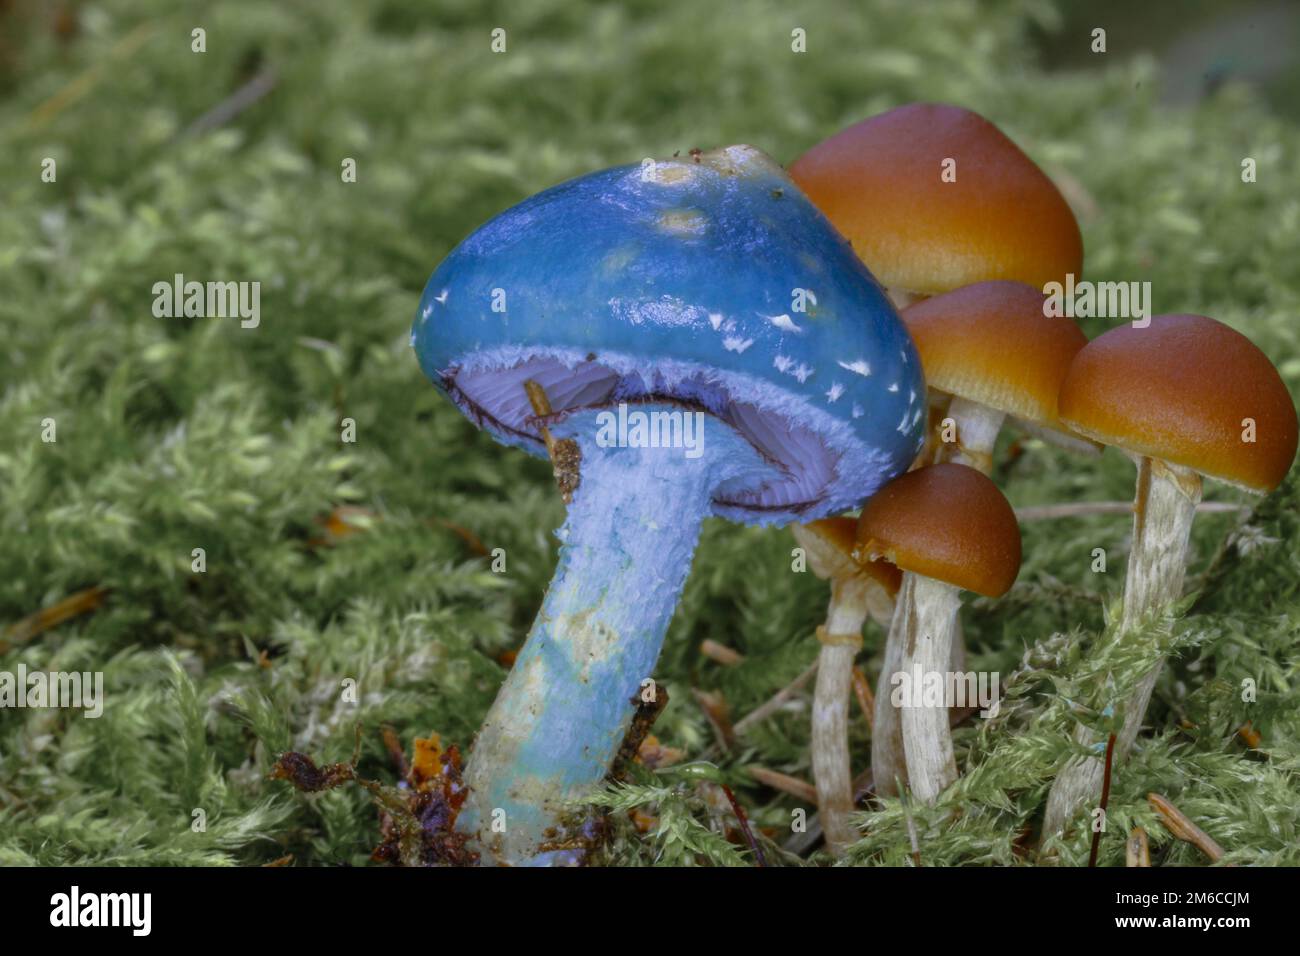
(937, 410)
(1163, 510)
(888, 761)
(841, 637)
(902, 298)
(977, 432)
(928, 627)
(625, 551)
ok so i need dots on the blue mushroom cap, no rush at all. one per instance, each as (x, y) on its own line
(709, 281)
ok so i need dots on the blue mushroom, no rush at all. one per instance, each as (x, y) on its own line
(709, 345)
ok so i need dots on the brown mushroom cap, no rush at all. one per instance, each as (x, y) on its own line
(947, 522)
(1002, 218)
(1179, 390)
(830, 544)
(991, 343)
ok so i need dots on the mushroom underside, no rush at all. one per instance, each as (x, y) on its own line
(820, 466)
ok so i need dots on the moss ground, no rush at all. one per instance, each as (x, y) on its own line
(176, 434)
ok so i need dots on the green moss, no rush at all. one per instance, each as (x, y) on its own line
(175, 434)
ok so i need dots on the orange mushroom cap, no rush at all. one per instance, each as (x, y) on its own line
(881, 184)
(992, 344)
(948, 522)
(831, 544)
(1185, 389)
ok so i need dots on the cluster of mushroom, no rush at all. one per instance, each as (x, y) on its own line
(1184, 395)
(696, 336)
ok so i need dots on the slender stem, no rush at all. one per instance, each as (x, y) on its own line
(1163, 510)
(564, 708)
(927, 644)
(743, 819)
(937, 403)
(977, 433)
(902, 298)
(879, 603)
(888, 762)
(958, 660)
(841, 638)
(889, 765)
(1105, 800)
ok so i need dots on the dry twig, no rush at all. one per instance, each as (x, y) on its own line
(82, 602)
(1181, 826)
(1080, 509)
(721, 653)
(800, 789)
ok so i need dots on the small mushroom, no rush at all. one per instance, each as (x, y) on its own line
(1185, 397)
(935, 197)
(949, 529)
(858, 590)
(991, 347)
(993, 351)
(647, 302)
